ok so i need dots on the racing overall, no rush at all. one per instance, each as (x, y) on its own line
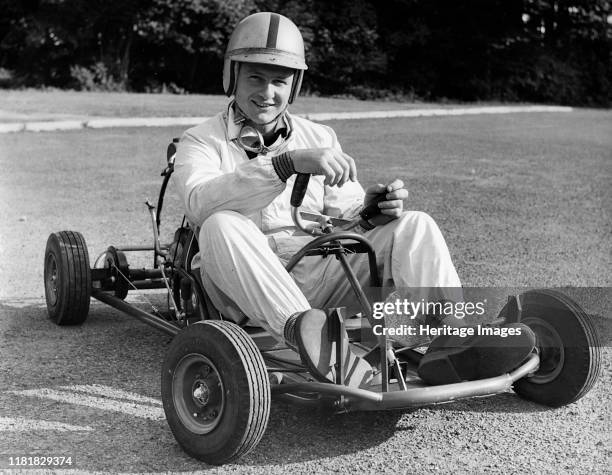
(246, 234)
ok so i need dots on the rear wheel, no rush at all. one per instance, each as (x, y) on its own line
(67, 278)
(215, 391)
(569, 351)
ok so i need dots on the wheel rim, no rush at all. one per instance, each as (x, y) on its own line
(51, 279)
(198, 393)
(551, 350)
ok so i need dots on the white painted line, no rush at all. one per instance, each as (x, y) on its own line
(143, 122)
(12, 127)
(130, 408)
(39, 302)
(104, 122)
(67, 471)
(109, 392)
(24, 302)
(47, 126)
(324, 116)
(18, 424)
(56, 471)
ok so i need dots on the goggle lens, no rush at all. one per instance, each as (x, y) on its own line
(251, 139)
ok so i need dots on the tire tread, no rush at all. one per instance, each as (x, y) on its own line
(72, 260)
(258, 382)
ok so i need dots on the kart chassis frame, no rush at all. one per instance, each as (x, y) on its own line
(296, 385)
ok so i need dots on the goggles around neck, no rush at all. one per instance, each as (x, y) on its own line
(251, 140)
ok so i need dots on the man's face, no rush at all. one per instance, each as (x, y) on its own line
(262, 92)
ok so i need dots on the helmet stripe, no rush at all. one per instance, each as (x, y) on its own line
(273, 30)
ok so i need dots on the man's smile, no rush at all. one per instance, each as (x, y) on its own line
(263, 105)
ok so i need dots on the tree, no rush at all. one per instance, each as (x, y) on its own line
(341, 40)
(183, 41)
(529, 50)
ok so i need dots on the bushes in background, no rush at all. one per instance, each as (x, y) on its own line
(517, 50)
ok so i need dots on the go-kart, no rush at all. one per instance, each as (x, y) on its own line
(218, 377)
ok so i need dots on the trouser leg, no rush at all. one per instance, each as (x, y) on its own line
(237, 260)
(411, 254)
(414, 264)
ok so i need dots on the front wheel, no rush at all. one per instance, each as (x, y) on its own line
(215, 391)
(570, 355)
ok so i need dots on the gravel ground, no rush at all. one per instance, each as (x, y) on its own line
(498, 434)
(522, 201)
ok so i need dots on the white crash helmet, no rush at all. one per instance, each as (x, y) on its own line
(267, 38)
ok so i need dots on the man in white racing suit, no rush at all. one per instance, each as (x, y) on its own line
(235, 173)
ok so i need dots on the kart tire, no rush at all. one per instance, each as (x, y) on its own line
(67, 278)
(215, 391)
(569, 350)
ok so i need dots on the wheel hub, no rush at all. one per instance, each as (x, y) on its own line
(551, 350)
(201, 393)
(51, 280)
(198, 393)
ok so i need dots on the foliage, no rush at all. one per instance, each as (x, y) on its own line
(529, 50)
(183, 41)
(95, 78)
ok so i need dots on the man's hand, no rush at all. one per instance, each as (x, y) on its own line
(337, 167)
(392, 204)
